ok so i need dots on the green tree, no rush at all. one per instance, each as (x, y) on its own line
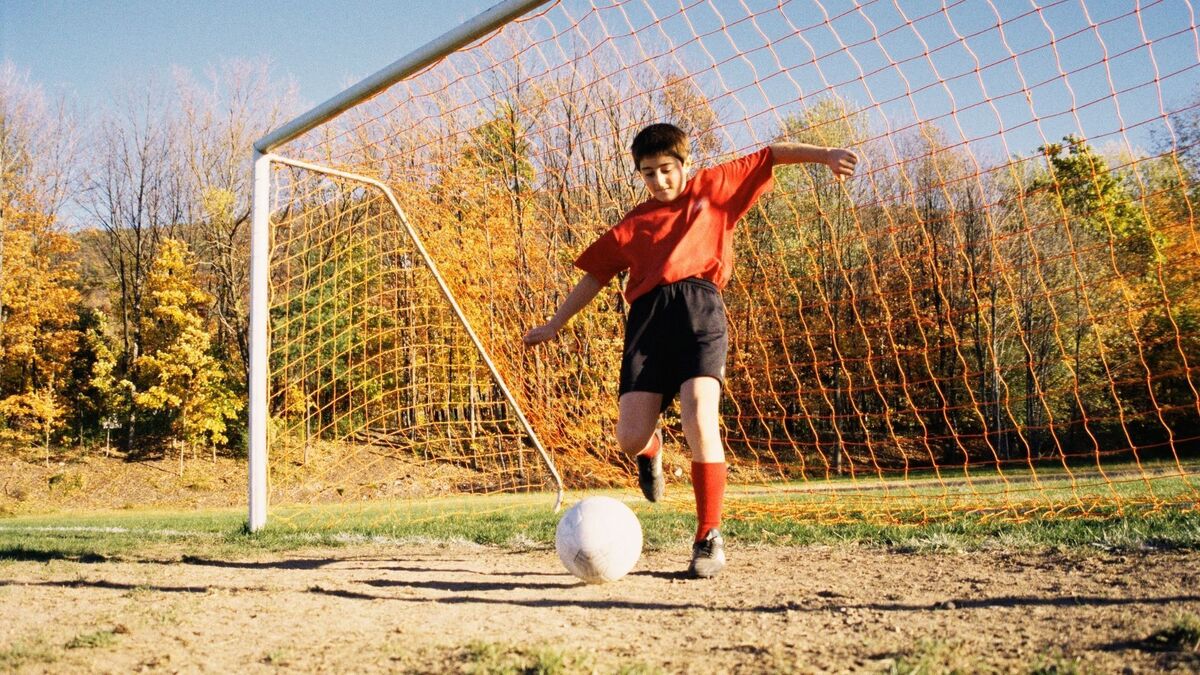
(337, 318)
(1094, 197)
(108, 399)
(1112, 247)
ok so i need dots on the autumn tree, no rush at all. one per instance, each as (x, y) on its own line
(38, 299)
(39, 139)
(221, 115)
(39, 304)
(1171, 327)
(135, 198)
(682, 103)
(32, 416)
(800, 254)
(179, 380)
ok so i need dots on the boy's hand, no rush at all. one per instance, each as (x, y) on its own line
(540, 334)
(841, 161)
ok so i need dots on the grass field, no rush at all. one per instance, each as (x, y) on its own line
(969, 508)
(527, 520)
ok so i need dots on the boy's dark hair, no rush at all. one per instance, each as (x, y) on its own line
(660, 139)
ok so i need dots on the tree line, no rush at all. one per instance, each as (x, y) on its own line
(123, 261)
(931, 311)
(935, 310)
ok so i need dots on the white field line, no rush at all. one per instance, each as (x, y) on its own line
(107, 530)
(1054, 477)
(339, 537)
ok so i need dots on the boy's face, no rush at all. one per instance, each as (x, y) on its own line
(664, 175)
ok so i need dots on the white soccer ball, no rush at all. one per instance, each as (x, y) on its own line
(599, 540)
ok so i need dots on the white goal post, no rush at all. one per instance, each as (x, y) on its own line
(464, 34)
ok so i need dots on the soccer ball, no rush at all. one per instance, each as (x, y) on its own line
(599, 540)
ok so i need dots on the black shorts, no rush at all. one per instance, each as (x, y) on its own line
(674, 333)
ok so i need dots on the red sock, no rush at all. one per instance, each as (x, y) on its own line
(653, 445)
(708, 482)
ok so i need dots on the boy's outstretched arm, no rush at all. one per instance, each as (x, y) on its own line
(577, 299)
(839, 160)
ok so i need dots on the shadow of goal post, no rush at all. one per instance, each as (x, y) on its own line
(464, 34)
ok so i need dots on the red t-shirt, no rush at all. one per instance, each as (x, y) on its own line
(689, 236)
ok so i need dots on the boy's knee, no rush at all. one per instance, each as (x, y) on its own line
(700, 417)
(632, 441)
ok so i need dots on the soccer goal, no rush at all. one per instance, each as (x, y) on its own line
(998, 316)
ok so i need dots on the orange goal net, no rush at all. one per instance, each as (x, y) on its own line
(998, 314)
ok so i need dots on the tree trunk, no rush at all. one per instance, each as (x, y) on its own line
(307, 429)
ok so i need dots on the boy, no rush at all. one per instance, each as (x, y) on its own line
(678, 248)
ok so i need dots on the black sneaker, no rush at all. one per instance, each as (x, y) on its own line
(708, 555)
(650, 472)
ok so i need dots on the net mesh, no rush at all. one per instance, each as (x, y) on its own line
(998, 314)
(379, 392)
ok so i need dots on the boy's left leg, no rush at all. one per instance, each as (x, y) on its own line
(700, 399)
(639, 436)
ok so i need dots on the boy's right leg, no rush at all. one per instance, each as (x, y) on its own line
(638, 435)
(700, 399)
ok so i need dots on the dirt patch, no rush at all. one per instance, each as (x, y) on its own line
(90, 482)
(461, 607)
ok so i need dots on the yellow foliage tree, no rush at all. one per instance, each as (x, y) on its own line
(181, 380)
(24, 417)
(38, 303)
(39, 300)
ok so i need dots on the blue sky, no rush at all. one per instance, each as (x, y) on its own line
(86, 48)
